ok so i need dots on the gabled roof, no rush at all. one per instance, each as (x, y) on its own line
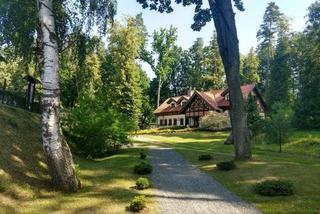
(165, 107)
(214, 98)
(208, 97)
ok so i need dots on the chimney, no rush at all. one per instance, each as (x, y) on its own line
(190, 92)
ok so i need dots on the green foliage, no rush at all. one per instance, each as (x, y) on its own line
(142, 183)
(274, 188)
(163, 45)
(201, 16)
(205, 157)
(280, 83)
(255, 122)
(97, 13)
(279, 123)
(142, 168)
(147, 109)
(198, 67)
(120, 71)
(273, 21)
(307, 111)
(270, 25)
(88, 131)
(143, 154)
(226, 165)
(4, 185)
(137, 204)
(177, 129)
(250, 68)
(215, 121)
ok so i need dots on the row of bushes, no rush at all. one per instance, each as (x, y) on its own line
(138, 203)
(223, 166)
(266, 188)
(163, 130)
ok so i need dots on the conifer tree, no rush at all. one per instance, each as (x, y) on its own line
(266, 36)
(307, 111)
(250, 68)
(279, 89)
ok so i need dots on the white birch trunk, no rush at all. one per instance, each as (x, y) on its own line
(57, 152)
(159, 91)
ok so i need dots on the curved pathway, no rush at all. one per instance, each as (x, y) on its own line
(183, 188)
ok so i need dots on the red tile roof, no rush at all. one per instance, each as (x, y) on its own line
(215, 99)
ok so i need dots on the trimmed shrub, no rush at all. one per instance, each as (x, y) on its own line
(226, 165)
(143, 168)
(143, 155)
(215, 121)
(137, 204)
(274, 188)
(206, 157)
(142, 183)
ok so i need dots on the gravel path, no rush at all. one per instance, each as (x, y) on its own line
(182, 188)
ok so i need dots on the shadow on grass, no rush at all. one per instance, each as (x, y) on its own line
(21, 158)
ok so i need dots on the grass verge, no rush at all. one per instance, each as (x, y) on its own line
(107, 183)
(296, 164)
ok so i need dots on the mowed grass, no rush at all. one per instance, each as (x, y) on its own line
(25, 184)
(299, 163)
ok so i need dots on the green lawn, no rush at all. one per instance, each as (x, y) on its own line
(299, 163)
(107, 183)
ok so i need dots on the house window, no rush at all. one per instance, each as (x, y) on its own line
(165, 122)
(174, 121)
(170, 122)
(173, 105)
(161, 122)
(181, 121)
(184, 103)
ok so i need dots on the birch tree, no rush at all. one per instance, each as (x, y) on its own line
(50, 22)
(57, 152)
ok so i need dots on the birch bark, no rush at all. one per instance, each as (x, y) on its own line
(57, 152)
(159, 91)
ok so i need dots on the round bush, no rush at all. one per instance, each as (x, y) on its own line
(206, 157)
(137, 204)
(142, 183)
(143, 155)
(142, 168)
(215, 121)
(226, 165)
(274, 188)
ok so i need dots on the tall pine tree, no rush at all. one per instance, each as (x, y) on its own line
(266, 36)
(307, 111)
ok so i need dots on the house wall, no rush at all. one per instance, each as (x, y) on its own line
(172, 117)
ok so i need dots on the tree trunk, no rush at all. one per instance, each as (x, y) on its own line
(57, 152)
(159, 91)
(224, 21)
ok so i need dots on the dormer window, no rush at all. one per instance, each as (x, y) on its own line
(173, 105)
(227, 97)
(183, 103)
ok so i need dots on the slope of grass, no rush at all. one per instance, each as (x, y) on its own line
(295, 164)
(25, 185)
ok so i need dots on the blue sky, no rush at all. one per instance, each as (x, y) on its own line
(248, 22)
